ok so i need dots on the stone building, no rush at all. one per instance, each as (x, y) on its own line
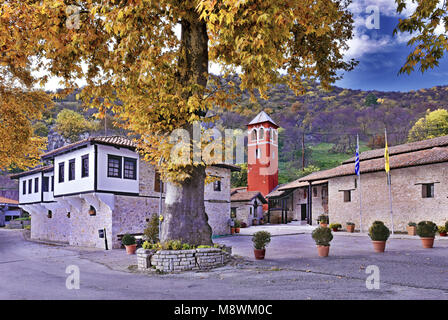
(247, 206)
(419, 186)
(100, 183)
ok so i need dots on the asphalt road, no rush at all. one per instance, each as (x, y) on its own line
(291, 270)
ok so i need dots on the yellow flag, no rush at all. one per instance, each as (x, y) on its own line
(386, 158)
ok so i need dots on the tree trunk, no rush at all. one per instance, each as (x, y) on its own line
(184, 215)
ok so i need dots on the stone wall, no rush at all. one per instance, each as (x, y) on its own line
(407, 202)
(56, 228)
(182, 260)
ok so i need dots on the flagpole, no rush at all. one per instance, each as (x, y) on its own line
(389, 182)
(360, 190)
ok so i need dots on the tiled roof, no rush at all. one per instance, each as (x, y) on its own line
(238, 189)
(403, 148)
(262, 117)
(298, 184)
(108, 140)
(401, 160)
(32, 171)
(8, 201)
(247, 196)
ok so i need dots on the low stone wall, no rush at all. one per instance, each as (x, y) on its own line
(183, 260)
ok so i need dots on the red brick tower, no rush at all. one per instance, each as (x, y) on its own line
(262, 169)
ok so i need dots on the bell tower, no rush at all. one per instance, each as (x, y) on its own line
(262, 154)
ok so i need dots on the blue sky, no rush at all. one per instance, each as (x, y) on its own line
(380, 54)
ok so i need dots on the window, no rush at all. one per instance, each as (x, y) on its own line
(254, 135)
(314, 191)
(61, 172)
(217, 185)
(261, 134)
(71, 170)
(157, 182)
(24, 187)
(36, 185)
(257, 153)
(85, 166)
(113, 166)
(130, 168)
(347, 195)
(52, 183)
(45, 184)
(30, 186)
(273, 154)
(428, 190)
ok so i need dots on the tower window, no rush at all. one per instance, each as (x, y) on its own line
(258, 153)
(254, 135)
(158, 184)
(217, 185)
(261, 134)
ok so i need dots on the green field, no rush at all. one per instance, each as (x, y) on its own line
(321, 157)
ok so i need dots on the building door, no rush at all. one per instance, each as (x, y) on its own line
(303, 212)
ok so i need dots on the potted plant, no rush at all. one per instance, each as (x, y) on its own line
(322, 236)
(254, 221)
(260, 239)
(129, 242)
(442, 231)
(335, 226)
(379, 234)
(350, 226)
(243, 224)
(323, 220)
(237, 226)
(412, 228)
(426, 230)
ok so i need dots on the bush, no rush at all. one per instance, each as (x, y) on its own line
(323, 218)
(152, 230)
(412, 224)
(204, 246)
(350, 223)
(426, 229)
(128, 240)
(322, 236)
(378, 231)
(335, 225)
(261, 239)
(172, 245)
(446, 225)
(237, 224)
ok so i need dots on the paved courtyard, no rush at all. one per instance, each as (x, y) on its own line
(291, 270)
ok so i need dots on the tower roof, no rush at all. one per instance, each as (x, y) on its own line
(262, 117)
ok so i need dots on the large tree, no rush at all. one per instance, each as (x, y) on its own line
(134, 63)
(428, 26)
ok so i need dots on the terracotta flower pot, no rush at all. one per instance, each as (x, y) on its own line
(427, 242)
(443, 234)
(323, 251)
(232, 230)
(259, 253)
(237, 230)
(335, 229)
(412, 231)
(350, 228)
(130, 249)
(379, 246)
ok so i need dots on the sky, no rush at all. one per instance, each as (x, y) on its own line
(381, 54)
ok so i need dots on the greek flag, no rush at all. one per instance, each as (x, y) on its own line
(357, 156)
